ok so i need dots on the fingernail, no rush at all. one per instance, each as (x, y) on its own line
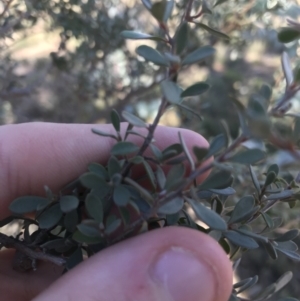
(183, 276)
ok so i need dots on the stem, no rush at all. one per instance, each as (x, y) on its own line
(12, 243)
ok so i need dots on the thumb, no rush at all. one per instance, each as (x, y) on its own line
(161, 265)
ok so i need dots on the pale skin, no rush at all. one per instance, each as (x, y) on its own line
(166, 264)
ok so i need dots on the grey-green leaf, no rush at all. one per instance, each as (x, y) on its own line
(209, 217)
(196, 89)
(214, 32)
(93, 181)
(242, 209)
(115, 120)
(112, 227)
(198, 55)
(249, 156)
(134, 120)
(89, 230)
(121, 195)
(281, 195)
(254, 179)
(99, 170)
(241, 240)
(289, 235)
(94, 207)
(26, 204)
(152, 55)
(124, 148)
(172, 207)
(181, 37)
(135, 35)
(50, 217)
(68, 203)
(288, 34)
(216, 180)
(171, 91)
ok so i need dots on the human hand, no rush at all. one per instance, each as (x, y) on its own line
(166, 264)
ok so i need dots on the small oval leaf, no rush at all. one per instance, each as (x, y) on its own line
(152, 55)
(28, 204)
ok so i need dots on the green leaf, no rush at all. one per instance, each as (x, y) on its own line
(172, 207)
(218, 2)
(216, 180)
(172, 151)
(248, 284)
(171, 91)
(281, 195)
(225, 191)
(181, 37)
(289, 235)
(99, 170)
(266, 92)
(158, 10)
(274, 168)
(93, 181)
(271, 177)
(112, 227)
(104, 134)
(115, 120)
(156, 152)
(249, 156)
(26, 204)
(174, 176)
(147, 4)
(134, 120)
(271, 250)
(74, 259)
(124, 148)
(121, 195)
(200, 153)
(168, 10)
(196, 89)
(242, 209)
(68, 203)
(254, 179)
(198, 55)
(288, 34)
(160, 176)
(268, 220)
(206, 7)
(135, 35)
(89, 228)
(216, 145)
(190, 110)
(291, 254)
(214, 32)
(209, 217)
(241, 240)
(50, 217)
(152, 55)
(186, 151)
(113, 166)
(71, 220)
(253, 235)
(286, 245)
(94, 207)
(150, 174)
(81, 238)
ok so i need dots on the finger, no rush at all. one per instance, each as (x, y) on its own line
(36, 154)
(19, 286)
(166, 264)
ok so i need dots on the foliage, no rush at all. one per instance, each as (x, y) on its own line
(107, 204)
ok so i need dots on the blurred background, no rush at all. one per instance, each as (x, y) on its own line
(65, 61)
